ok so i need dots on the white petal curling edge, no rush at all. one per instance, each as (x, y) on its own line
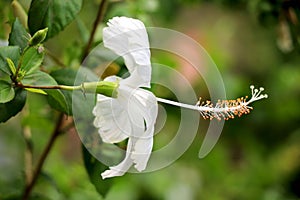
(128, 38)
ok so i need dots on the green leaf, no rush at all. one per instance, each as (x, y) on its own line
(7, 92)
(39, 78)
(13, 107)
(11, 66)
(54, 14)
(67, 76)
(34, 90)
(18, 35)
(32, 60)
(55, 97)
(58, 101)
(64, 76)
(12, 52)
(94, 169)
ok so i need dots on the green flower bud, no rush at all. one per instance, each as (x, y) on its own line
(38, 37)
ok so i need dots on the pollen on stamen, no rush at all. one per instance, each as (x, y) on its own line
(228, 109)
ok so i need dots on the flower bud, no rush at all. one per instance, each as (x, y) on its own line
(38, 37)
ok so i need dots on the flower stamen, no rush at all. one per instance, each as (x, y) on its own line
(223, 109)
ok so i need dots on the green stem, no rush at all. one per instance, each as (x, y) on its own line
(103, 87)
(43, 87)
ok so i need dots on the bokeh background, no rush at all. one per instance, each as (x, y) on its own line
(257, 156)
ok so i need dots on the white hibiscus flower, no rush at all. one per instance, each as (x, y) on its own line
(133, 113)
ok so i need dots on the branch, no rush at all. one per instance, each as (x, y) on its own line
(98, 20)
(43, 157)
(28, 154)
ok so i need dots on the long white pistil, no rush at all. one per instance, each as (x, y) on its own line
(225, 109)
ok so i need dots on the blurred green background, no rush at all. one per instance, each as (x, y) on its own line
(257, 156)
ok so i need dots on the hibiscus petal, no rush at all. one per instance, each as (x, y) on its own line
(123, 167)
(144, 107)
(112, 120)
(146, 102)
(142, 151)
(128, 38)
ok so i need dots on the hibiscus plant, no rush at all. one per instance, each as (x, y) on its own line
(125, 109)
